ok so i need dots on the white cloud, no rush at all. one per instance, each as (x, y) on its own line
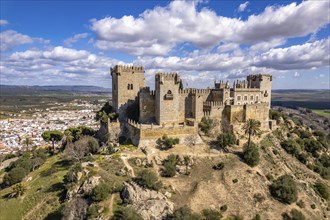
(10, 39)
(158, 31)
(3, 22)
(74, 39)
(305, 56)
(243, 6)
(57, 65)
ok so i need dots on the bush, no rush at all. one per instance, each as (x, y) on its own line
(291, 147)
(325, 160)
(167, 143)
(313, 206)
(148, 179)
(251, 154)
(323, 190)
(235, 180)
(126, 213)
(71, 176)
(297, 215)
(284, 189)
(206, 125)
(256, 217)
(302, 133)
(312, 146)
(269, 177)
(15, 175)
(225, 139)
(301, 204)
(100, 192)
(184, 213)
(92, 212)
(219, 166)
(210, 214)
(170, 166)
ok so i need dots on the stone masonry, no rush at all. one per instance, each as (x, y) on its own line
(168, 107)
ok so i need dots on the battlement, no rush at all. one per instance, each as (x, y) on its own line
(258, 77)
(194, 91)
(221, 85)
(127, 68)
(147, 91)
(160, 77)
(213, 103)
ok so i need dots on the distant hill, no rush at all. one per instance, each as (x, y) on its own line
(57, 88)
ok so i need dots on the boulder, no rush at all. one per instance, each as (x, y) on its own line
(158, 160)
(150, 204)
(290, 124)
(89, 184)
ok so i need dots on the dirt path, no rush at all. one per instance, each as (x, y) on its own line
(124, 158)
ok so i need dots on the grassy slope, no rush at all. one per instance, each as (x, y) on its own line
(42, 195)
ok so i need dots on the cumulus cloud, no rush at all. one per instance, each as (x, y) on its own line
(305, 56)
(74, 39)
(10, 39)
(243, 6)
(158, 31)
(3, 22)
(57, 65)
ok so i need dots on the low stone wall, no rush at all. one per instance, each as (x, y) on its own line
(149, 134)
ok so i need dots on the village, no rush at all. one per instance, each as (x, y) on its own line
(15, 131)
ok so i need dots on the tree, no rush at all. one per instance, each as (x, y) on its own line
(251, 127)
(251, 154)
(148, 179)
(37, 162)
(75, 209)
(323, 190)
(100, 192)
(167, 142)
(27, 142)
(14, 176)
(126, 213)
(284, 189)
(170, 166)
(184, 213)
(52, 136)
(225, 139)
(206, 125)
(81, 148)
(18, 190)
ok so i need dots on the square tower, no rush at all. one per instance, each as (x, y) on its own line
(264, 83)
(167, 98)
(126, 84)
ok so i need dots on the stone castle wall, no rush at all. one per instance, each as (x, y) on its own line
(147, 104)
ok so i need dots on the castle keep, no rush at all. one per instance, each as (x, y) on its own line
(176, 112)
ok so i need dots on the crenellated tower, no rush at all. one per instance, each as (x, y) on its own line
(167, 98)
(126, 83)
(264, 83)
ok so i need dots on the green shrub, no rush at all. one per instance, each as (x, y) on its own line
(235, 180)
(100, 192)
(291, 147)
(225, 139)
(312, 146)
(206, 125)
(323, 190)
(269, 177)
(284, 189)
(210, 214)
(184, 213)
(170, 166)
(275, 152)
(167, 142)
(93, 212)
(313, 206)
(148, 179)
(15, 175)
(297, 215)
(126, 213)
(302, 133)
(71, 176)
(219, 166)
(256, 217)
(301, 204)
(251, 154)
(325, 160)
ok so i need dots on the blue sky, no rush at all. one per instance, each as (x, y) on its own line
(76, 42)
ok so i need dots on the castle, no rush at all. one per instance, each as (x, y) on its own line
(172, 110)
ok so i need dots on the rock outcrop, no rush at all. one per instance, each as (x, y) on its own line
(150, 204)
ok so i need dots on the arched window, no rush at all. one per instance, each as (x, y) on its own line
(128, 86)
(169, 92)
(131, 86)
(168, 95)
